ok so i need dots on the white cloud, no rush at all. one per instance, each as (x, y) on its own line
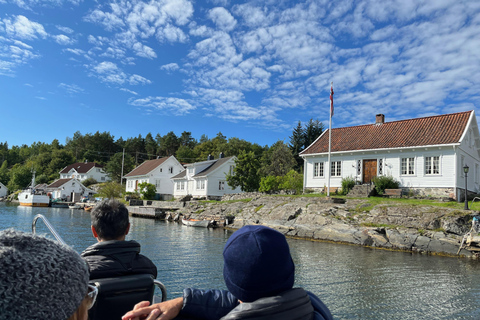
(22, 28)
(66, 30)
(169, 67)
(222, 18)
(64, 40)
(71, 88)
(136, 79)
(176, 106)
(129, 91)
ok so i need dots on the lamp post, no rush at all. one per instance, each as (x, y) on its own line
(465, 170)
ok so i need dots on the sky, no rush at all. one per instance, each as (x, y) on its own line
(247, 69)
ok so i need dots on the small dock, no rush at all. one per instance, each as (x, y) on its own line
(154, 209)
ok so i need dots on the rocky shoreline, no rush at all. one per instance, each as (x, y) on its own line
(393, 226)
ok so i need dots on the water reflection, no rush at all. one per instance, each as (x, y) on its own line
(355, 282)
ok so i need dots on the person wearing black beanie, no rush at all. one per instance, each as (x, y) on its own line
(259, 273)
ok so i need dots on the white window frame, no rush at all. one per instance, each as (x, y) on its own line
(318, 169)
(336, 169)
(221, 185)
(170, 169)
(409, 163)
(201, 184)
(430, 165)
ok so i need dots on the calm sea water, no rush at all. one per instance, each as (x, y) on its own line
(354, 282)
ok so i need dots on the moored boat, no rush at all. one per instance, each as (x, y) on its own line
(196, 223)
(33, 198)
(74, 206)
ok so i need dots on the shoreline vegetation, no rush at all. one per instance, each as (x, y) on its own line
(421, 226)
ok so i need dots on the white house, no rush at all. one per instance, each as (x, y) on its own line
(426, 155)
(69, 190)
(158, 172)
(3, 190)
(205, 179)
(84, 170)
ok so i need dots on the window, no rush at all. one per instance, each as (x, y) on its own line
(408, 166)
(170, 169)
(336, 169)
(102, 178)
(380, 167)
(161, 169)
(157, 183)
(190, 170)
(182, 185)
(221, 185)
(98, 170)
(318, 169)
(359, 167)
(231, 170)
(200, 184)
(432, 165)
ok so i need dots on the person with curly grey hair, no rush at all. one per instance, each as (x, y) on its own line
(112, 255)
(42, 279)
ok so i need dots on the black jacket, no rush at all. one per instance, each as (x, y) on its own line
(220, 304)
(117, 258)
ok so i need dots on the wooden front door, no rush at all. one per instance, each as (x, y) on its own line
(369, 170)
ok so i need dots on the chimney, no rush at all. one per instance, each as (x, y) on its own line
(221, 155)
(210, 157)
(379, 119)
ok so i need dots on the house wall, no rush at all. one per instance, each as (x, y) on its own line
(389, 163)
(160, 177)
(3, 190)
(66, 190)
(95, 173)
(468, 154)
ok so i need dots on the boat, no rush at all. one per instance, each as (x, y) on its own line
(88, 208)
(74, 206)
(33, 198)
(197, 223)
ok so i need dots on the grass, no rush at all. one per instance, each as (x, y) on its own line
(378, 225)
(259, 207)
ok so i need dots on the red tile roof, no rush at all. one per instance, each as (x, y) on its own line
(81, 167)
(427, 131)
(146, 167)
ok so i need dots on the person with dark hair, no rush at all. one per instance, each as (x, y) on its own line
(112, 255)
(42, 279)
(259, 273)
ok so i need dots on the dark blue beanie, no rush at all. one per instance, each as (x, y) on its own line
(257, 263)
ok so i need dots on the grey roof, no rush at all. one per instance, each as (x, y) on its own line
(212, 167)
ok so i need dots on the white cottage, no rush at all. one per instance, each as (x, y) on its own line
(427, 155)
(3, 190)
(157, 172)
(206, 179)
(69, 190)
(84, 170)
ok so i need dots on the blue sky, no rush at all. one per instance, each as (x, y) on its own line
(248, 69)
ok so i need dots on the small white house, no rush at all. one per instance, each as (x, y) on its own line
(3, 190)
(69, 190)
(157, 172)
(426, 155)
(206, 179)
(84, 170)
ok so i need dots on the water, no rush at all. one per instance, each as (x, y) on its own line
(354, 282)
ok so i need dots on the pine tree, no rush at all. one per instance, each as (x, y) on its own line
(297, 141)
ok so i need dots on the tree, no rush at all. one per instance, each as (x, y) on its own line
(111, 190)
(278, 160)
(114, 167)
(293, 181)
(313, 129)
(4, 173)
(297, 141)
(20, 177)
(245, 173)
(150, 146)
(187, 140)
(168, 144)
(185, 154)
(147, 190)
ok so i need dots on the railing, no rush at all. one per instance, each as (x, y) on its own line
(162, 288)
(49, 226)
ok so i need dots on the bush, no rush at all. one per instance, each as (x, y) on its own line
(385, 182)
(292, 181)
(88, 182)
(270, 183)
(147, 190)
(347, 184)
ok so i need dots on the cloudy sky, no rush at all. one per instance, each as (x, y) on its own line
(248, 69)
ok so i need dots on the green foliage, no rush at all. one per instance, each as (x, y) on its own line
(88, 182)
(20, 177)
(292, 181)
(347, 184)
(4, 173)
(111, 190)
(245, 173)
(270, 183)
(278, 160)
(185, 154)
(147, 190)
(385, 182)
(114, 167)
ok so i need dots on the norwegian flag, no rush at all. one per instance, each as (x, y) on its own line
(331, 100)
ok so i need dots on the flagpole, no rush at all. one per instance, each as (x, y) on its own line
(329, 165)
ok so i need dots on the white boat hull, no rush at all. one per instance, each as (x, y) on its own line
(196, 223)
(27, 199)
